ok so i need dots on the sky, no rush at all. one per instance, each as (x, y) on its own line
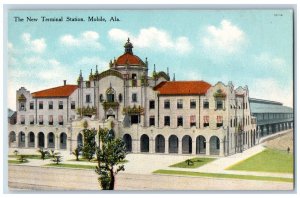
(247, 47)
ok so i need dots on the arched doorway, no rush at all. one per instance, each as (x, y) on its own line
(186, 144)
(63, 141)
(12, 139)
(200, 145)
(214, 145)
(31, 139)
(51, 140)
(79, 140)
(159, 144)
(128, 142)
(173, 144)
(144, 141)
(41, 140)
(21, 139)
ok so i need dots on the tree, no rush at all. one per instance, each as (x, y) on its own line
(22, 159)
(89, 146)
(109, 155)
(53, 154)
(189, 162)
(76, 152)
(57, 159)
(43, 153)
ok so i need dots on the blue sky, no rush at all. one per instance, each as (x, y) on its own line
(248, 47)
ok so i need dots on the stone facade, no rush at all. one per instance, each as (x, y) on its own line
(151, 113)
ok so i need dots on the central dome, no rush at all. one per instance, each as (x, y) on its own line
(128, 58)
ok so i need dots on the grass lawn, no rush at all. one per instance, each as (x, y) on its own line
(72, 166)
(269, 160)
(197, 162)
(28, 156)
(84, 160)
(16, 162)
(218, 175)
(93, 160)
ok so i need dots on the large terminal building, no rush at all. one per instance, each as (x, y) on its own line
(151, 113)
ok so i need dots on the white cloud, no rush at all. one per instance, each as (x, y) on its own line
(35, 45)
(225, 39)
(85, 39)
(268, 61)
(152, 38)
(91, 62)
(270, 89)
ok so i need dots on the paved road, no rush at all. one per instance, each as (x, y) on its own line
(46, 178)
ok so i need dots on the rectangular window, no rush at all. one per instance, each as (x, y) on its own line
(73, 105)
(219, 104)
(219, 121)
(193, 104)
(60, 105)
(179, 121)
(22, 118)
(152, 121)
(41, 121)
(110, 97)
(50, 104)
(205, 121)
(31, 105)
(88, 98)
(134, 80)
(134, 97)
(50, 119)
(167, 104)
(87, 84)
(31, 119)
(179, 104)
(167, 121)
(22, 106)
(205, 104)
(151, 104)
(41, 106)
(192, 120)
(60, 120)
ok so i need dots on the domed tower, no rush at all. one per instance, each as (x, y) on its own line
(131, 66)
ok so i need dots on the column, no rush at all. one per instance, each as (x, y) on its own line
(26, 140)
(179, 147)
(221, 148)
(135, 144)
(207, 148)
(17, 140)
(193, 147)
(36, 137)
(56, 142)
(69, 142)
(46, 141)
(166, 146)
(151, 145)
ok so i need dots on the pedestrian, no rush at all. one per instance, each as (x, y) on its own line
(288, 149)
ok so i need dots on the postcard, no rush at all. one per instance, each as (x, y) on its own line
(150, 99)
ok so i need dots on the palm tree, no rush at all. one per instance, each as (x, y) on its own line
(43, 153)
(76, 152)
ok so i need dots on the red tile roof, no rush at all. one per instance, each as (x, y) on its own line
(182, 87)
(62, 91)
(130, 59)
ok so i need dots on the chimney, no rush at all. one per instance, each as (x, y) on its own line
(65, 82)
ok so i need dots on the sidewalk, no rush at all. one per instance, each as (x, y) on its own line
(147, 163)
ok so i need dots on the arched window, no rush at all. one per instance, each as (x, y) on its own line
(120, 97)
(110, 95)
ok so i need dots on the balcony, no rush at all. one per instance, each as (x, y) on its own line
(106, 105)
(87, 111)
